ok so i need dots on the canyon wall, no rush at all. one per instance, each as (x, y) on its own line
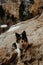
(13, 7)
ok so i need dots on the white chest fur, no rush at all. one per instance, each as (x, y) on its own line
(17, 50)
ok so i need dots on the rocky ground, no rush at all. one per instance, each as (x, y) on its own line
(34, 31)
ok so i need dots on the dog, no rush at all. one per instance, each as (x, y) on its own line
(21, 45)
(21, 42)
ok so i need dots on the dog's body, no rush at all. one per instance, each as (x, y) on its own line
(21, 42)
(16, 48)
(21, 47)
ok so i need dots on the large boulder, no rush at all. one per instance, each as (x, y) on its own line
(34, 32)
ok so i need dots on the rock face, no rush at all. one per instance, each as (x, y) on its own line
(14, 11)
(34, 54)
(31, 6)
(12, 7)
(24, 13)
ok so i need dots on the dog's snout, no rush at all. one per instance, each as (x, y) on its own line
(22, 41)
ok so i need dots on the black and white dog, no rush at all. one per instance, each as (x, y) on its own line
(21, 42)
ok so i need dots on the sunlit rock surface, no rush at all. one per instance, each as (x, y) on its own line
(34, 31)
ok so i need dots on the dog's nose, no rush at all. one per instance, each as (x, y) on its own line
(22, 41)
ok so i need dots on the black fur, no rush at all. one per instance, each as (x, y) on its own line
(14, 45)
(21, 36)
(17, 37)
(24, 36)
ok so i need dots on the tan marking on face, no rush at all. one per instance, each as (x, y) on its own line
(23, 44)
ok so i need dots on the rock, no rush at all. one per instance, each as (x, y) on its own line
(32, 7)
(34, 55)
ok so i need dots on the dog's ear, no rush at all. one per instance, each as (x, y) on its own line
(17, 37)
(24, 36)
(24, 33)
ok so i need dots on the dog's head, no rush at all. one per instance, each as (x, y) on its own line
(21, 39)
